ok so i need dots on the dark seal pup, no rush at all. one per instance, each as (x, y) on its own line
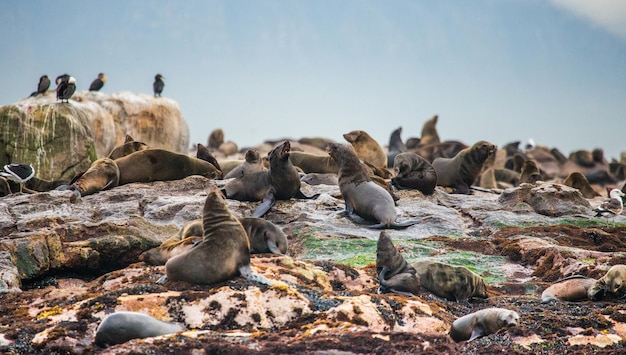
(223, 253)
(454, 283)
(120, 327)
(280, 182)
(362, 196)
(461, 171)
(484, 322)
(414, 172)
(394, 273)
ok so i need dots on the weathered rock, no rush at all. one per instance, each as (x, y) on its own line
(61, 140)
(548, 199)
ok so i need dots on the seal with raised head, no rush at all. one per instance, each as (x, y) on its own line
(461, 171)
(454, 283)
(103, 174)
(362, 196)
(578, 181)
(223, 253)
(396, 146)
(573, 288)
(203, 153)
(280, 182)
(122, 326)
(367, 148)
(216, 138)
(429, 132)
(611, 285)
(162, 165)
(129, 146)
(414, 172)
(394, 273)
(481, 323)
(530, 173)
(251, 164)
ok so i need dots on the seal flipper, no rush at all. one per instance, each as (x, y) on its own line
(268, 202)
(301, 195)
(271, 245)
(402, 225)
(477, 332)
(248, 274)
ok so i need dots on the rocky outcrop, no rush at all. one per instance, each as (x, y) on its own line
(548, 199)
(63, 139)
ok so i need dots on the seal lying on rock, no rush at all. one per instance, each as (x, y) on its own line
(454, 283)
(103, 174)
(394, 273)
(484, 322)
(223, 253)
(120, 327)
(461, 171)
(414, 172)
(129, 146)
(573, 288)
(280, 182)
(252, 163)
(611, 285)
(362, 196)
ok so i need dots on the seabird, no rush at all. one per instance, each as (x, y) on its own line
(44, 84)
(98, 83)
(611, 206)
(66, 89)
(61, 78)
(158, 85)
(20, 173)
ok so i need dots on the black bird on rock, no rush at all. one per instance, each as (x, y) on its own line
(44, 84)
(61, 78)
(66, 88)
(158, 85)
(98, 83)
(20, 173)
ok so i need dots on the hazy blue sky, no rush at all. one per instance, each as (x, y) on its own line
(499, 70)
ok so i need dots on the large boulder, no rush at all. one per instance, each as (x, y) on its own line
(63, 139)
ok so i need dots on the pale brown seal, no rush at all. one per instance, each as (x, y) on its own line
(162, 165)
(223, 253)
(461, 171)
(103, 174)
(122, 326)
(414, 172)
(580, 182)
(611, 285)
(429, 132)
(484, 322)
(367, 148)
(362, 196)
(216, 138)
(454, 283)
(573, 288)
(252, 163)
(280, 182)
(394, 273)
(129, 146)
(530, 173)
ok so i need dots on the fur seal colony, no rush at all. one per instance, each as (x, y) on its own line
(122, 326)
(484, 322)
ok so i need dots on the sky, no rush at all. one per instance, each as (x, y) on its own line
(495, 70)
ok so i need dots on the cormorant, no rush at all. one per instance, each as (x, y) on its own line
(44, 84)
(66, 88)
(158, 85)
(20, 173)
(98, 83)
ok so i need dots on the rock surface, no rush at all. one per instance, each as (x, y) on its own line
(62, 139)
(69, 264)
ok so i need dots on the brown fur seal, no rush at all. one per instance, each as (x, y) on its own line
(317, 142)
(264, 236)
(394, 273)
(187, 237)
(461, 171)
(120, 327)
(582, 158)
(362, 196)
(580, 182)
(454, 283)
(396, 146)
(162, 165)
(103, 174)
(228, 148)
(223, 253)
(507, 176)
(429, 132)
(573, 288)
(611, 285)
(313, 163)
(227, 165)
(481, 323)
(216, 138)
(252, 163)
(320, 179)
(366, 148)
(414, 172)
(280, 182)
(203, 153)
(129, 146)
(530, 173)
